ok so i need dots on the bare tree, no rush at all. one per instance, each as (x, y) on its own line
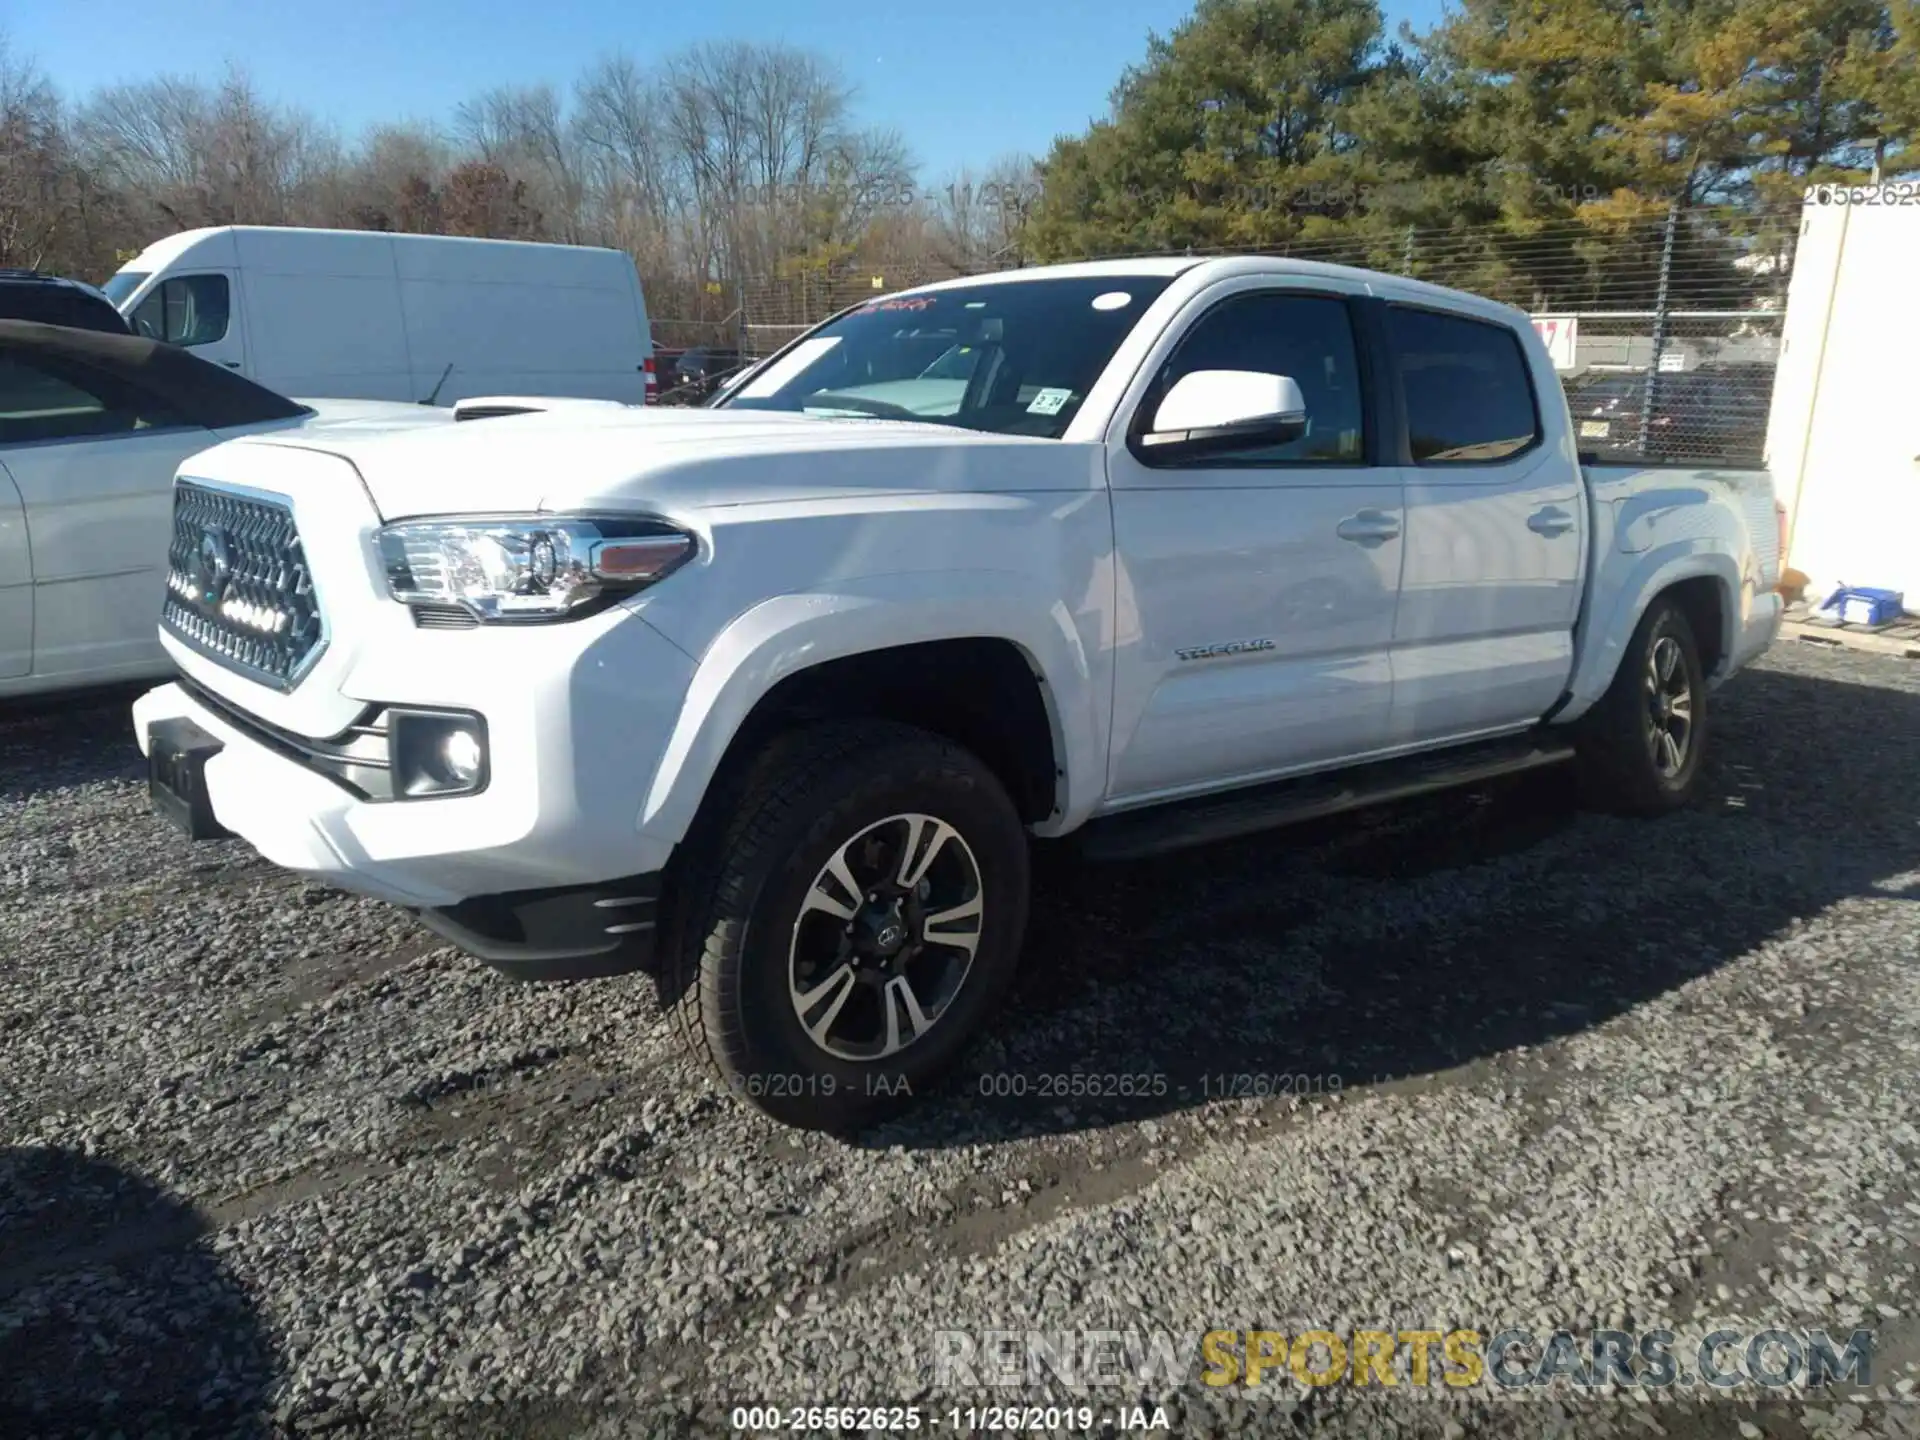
(979, 215)
(34, 164)
(523, 133)
(197, 156)
(724, 163)
(393, 181)
(632, 189)
(481, 198)
(145, 137)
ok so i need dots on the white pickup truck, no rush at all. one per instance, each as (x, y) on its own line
(773, 697)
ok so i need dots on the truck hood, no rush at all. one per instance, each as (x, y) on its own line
(672, 459)
(372, 417)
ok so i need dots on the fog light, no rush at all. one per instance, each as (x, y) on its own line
(436, 753)
(461, 750)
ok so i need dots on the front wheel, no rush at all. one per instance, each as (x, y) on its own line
(851, 923)
(1640, 747)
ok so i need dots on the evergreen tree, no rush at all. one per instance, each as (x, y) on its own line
(1542, 132)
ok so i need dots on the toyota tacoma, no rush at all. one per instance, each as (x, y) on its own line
(775, 697)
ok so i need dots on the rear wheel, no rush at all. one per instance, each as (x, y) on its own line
(1640, 747)
(857, 916)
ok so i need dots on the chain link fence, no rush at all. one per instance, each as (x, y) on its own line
(1664, 327)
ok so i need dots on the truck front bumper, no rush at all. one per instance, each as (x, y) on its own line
(564, 933)
(543, 872)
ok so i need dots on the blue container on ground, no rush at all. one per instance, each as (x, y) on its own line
(1864, 605)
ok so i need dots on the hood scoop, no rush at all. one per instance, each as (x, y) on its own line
(493, 407)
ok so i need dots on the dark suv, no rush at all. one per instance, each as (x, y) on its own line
(698, 372)
(51, 300)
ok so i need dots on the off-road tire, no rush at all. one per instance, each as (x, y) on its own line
(1616, 759)
(750, 866)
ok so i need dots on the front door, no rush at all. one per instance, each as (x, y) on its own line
(196, 312)
(1256, 589)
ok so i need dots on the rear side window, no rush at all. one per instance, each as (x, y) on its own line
(1468, 394)
(54, 400)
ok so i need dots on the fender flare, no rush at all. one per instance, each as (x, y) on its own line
(787, 634)
(1612, 623)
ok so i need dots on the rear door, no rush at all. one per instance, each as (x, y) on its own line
(1496, 531)
(93, 459)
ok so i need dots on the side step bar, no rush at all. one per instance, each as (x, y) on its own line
(1155, 830)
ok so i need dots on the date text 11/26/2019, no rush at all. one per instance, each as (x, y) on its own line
(1153, 1084)
(963, 1419)
(1013, 196)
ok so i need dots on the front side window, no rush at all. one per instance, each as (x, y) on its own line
(1307, 337)
(1014, 357)
(186, 310)
(1468, 395)
(54, 401)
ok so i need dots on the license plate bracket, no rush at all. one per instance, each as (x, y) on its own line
(177, 755)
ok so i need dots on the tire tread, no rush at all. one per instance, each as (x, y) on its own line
(714, 900)
(1615, 773)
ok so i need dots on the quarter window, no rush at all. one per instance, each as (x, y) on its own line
(1308, 337)
(186, 310)
(1468, 395)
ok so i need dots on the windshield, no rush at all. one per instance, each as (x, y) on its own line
(122, 284)
(956, 364)
(1015, 357)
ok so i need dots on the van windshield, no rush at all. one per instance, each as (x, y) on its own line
(123, 283)
(1015, 357)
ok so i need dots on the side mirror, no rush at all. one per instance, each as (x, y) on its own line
(1211, 410)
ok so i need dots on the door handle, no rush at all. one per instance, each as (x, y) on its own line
(1369, 527)
(1550, 522)
(231, 364)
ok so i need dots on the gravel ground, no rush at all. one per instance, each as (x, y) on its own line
(272, 1157)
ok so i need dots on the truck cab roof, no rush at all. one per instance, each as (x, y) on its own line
(1209, 268)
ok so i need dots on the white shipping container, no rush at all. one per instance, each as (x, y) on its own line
(1843, 437)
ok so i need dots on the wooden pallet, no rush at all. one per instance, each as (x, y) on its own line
(1897, 637)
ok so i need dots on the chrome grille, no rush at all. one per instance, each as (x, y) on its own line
(238, 587)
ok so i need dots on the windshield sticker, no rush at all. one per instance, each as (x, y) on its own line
(922, 302)
(1049, 402)
(1112, 300)
(777, 376)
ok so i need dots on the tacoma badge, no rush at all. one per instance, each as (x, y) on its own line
(1230, 647)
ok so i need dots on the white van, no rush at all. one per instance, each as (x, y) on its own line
(355, 314)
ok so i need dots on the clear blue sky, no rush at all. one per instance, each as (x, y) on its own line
(962, 83)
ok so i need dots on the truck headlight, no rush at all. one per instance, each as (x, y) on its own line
(519, 569)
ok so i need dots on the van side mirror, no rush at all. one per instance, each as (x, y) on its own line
(1213, 410)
